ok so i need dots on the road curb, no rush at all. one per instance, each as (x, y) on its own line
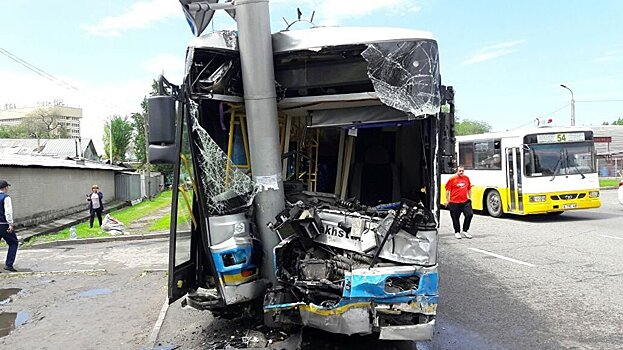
(99, 240)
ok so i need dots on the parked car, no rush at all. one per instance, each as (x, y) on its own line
(621, 191)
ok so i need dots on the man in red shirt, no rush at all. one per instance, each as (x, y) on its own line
(458, 200)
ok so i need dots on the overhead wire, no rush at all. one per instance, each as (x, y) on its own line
(544, 114)
(592, 101)
(51, 77)
(37, 70)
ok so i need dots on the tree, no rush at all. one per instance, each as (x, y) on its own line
(13, 132)
(471, 127)
(121, 137)
(42, 123)
(618, 122)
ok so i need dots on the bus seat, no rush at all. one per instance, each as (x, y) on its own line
(376, 179)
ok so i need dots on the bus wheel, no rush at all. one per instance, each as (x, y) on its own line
(494, 204)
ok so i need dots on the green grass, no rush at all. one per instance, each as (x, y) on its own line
(608, 183)
(164, 223)
(126, 215)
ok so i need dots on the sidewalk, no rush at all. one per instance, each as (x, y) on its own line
(27, 233)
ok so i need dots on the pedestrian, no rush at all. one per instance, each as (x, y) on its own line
(7, 232)
(96, 205)
(458, 200)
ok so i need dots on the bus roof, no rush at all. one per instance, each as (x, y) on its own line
(314, 38)
(522, 132)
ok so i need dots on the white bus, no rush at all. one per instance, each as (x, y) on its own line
(546, 170)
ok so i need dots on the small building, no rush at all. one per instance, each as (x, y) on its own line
(59, 148)
(46, 188)
(609, 148)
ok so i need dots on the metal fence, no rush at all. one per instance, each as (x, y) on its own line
(130, 186)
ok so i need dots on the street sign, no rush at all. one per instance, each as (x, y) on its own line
(604, 139)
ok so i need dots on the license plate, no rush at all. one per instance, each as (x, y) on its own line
(569, 206)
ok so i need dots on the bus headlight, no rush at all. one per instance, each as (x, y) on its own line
(534, 199)
(593, 194)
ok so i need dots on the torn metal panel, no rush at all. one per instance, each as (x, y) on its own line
(348, 319)
(244, 292)
(228, 189)
(406, 248)
(422, 304)
(220, 40)
(403, 247)
(213, 65)
(415, 332)
(384, 282)
(225, 227)
(406, 75)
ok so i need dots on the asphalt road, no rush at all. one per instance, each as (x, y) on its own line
(539, 282)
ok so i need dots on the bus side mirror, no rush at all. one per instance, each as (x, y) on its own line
(161, 114)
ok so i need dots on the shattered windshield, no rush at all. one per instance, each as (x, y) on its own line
(559, 159)
(227, 188)
(406, 75)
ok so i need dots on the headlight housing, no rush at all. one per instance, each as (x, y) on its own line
(537, 199)
(593, 194)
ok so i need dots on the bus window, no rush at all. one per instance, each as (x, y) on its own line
(466, 155)
(487, 155)
(562, 159)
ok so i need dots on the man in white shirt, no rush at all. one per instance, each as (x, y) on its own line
(6, 225)
(96, 205)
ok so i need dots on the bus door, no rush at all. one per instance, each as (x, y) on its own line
(514, 201)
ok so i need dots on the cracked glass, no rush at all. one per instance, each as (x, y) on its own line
(406, 75)
(228, 189)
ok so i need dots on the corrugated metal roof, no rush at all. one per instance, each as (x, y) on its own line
(23, 160)
(615, 132)
(48, 147)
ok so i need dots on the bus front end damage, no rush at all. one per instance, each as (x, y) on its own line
(356, 271)
(362, 149)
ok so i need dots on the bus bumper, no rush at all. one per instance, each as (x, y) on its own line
(563, 201)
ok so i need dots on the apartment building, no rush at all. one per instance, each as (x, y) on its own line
(68, 117)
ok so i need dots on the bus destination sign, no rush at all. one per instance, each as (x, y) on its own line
(561, 137)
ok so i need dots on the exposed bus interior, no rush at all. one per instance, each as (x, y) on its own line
(357, 204)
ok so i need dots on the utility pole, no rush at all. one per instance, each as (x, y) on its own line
(260, 102)
(110, 139)
(260, 99)
(572, 105)
(147, 165)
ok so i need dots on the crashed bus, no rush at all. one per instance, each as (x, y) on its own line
(365, 129)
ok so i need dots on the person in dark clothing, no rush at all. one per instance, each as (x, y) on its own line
(96, 205)
(6, 226)
(458, 200)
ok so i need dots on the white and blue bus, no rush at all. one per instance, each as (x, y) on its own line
(364, 139)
